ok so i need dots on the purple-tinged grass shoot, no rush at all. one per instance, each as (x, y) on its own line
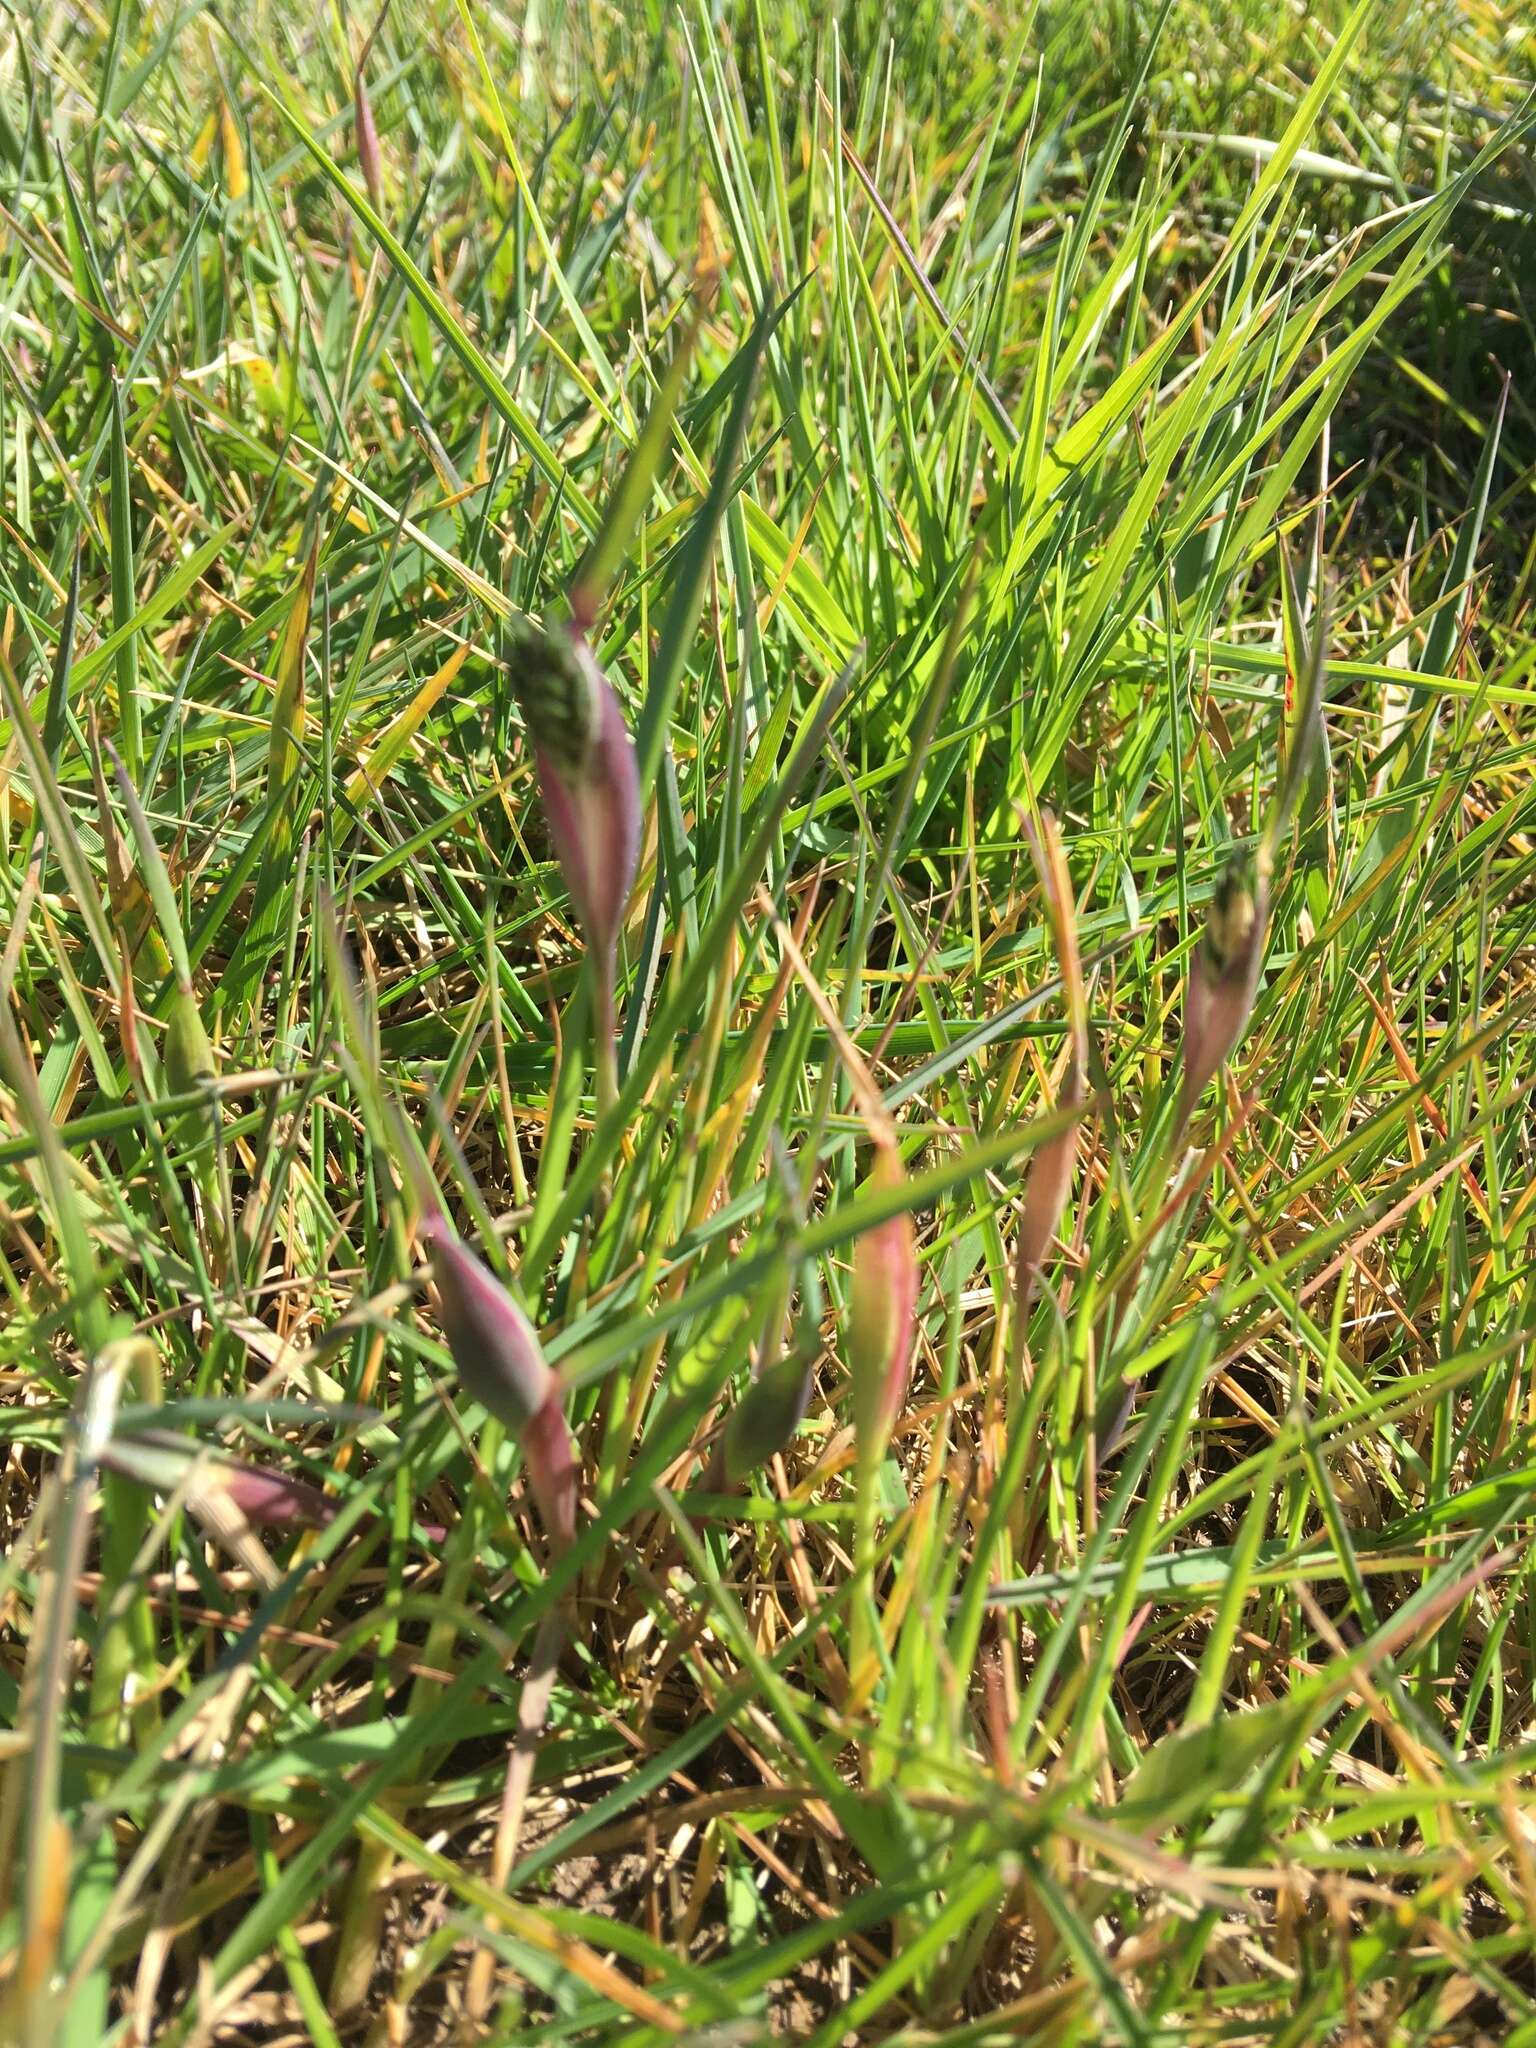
(1223, 978)
(214, 1485)
(584, 756)
(882, 1316)
(497, 1355)
(1224, 973)
(882, 1334)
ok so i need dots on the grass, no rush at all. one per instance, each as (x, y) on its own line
(963, 428)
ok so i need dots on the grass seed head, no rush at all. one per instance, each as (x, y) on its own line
(587, 773)
(1223, 977)
(498, 1357)
(495, 1349)
(162, 1460)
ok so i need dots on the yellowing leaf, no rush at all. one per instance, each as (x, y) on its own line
(288, 704)
(202, 149)
(236, 181)
(397, 735)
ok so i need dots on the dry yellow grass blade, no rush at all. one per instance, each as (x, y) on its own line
(364, 784)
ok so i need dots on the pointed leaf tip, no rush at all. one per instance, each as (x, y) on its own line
(369, 157)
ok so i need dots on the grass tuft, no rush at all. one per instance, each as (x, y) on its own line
(855, 690)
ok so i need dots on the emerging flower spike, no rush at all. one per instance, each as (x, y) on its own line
(1223, 978)
(497, 1355)
(160, 1459)
(882, 1317)
(495, 1349)
(588, 777)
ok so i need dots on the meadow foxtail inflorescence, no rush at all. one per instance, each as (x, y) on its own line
(589, 783)
(497, 1355)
